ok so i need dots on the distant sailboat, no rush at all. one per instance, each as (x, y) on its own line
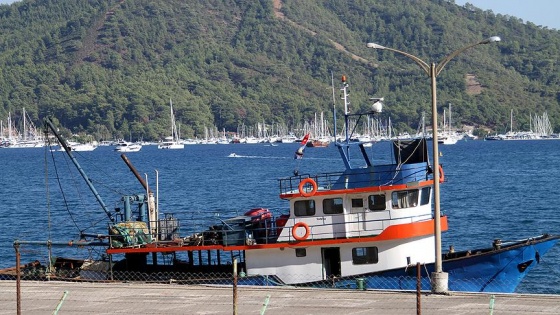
(448, 136)
(172, 142)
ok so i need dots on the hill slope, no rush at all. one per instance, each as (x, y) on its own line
(111, 67)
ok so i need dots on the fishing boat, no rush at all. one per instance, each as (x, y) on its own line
(363, 227)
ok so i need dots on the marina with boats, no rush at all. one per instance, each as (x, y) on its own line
(370, 130)
(540, 129)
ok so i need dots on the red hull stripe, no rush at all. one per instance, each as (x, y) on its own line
(393, 232)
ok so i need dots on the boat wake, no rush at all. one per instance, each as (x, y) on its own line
(235, 155)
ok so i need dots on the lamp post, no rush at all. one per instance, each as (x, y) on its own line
(439, 278)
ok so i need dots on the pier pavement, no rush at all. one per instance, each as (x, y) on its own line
(53, 297)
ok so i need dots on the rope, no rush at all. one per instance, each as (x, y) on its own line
(47, 191)
(400, 163)
(61, 190)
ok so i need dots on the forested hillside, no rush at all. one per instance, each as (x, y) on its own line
(110, 68)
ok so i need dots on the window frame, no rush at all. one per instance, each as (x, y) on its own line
(370, 255)
(425, 191)
(405, 198)
(301, 252)
(310, 208)
(339, 208)
(371, 206)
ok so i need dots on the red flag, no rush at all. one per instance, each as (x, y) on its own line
(299, 151)
(304, 140)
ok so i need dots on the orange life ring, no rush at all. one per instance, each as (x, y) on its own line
(296, 226)
(307, 181)
(441, 174)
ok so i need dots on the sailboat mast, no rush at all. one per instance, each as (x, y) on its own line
(172, 120)
(511, 121)
(449, 125)
(24, 125)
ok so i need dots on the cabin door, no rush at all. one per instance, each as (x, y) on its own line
(356, 217)
(331, 262)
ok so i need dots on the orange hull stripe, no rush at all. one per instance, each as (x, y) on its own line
(393, 232)
(361, 190)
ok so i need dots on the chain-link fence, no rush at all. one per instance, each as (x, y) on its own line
(58, 297)
(86, 286)
(99, 271)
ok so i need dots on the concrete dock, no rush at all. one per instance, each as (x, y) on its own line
(55, 297)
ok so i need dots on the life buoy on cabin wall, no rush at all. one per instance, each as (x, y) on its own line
(441, 175)
(298, 225)
(302, 186)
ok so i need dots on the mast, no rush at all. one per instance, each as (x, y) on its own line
(444, 124)
(333, 107)
(10, 127)
(449, 124)
(345, 94)
(511, 121)
(172, 120)
(344, 146)
(24, 125)
(423, 124)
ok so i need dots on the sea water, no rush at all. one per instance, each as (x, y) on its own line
(492, 189)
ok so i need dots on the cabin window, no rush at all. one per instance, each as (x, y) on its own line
(301, 252)
(376, 202)
(357, 203)
(425, 195)
(333, 206)
(405, 199)
(304, 208)
(364, 255)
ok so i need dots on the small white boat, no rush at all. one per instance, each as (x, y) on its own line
(125, 146)
(291, 138)
(169, 143)
(80, 147)
(449, 139)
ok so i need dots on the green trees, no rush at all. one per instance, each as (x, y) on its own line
(110, 67)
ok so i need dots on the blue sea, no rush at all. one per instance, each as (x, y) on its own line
(493, 189)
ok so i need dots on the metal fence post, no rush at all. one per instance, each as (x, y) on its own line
(18, 279)
(235, 286)
(418, 289)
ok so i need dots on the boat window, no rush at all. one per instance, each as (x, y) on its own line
(376, 202)
(357, 203)
(425, 196)
(405, 199)
(364, 255)
(301, 252)
(333, 206)
(303, 208)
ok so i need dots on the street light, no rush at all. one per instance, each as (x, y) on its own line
(439, 278)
